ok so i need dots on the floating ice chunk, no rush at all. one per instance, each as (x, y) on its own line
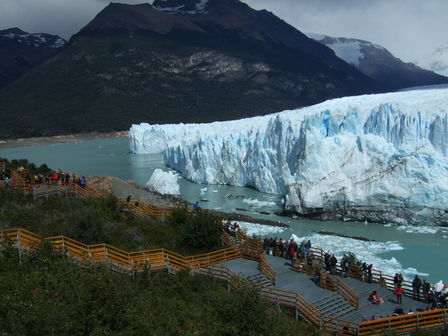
(419, 229)
(164, 182)
(254, 203)
(260, 229)
(203, 190)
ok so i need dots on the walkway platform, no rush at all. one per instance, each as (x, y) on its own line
(328, 302)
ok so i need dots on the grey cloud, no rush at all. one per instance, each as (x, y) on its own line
(61, 17)
(408, 28)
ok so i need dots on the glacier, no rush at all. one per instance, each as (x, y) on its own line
(380, 158)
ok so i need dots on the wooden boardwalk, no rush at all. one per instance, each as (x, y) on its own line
(328, 302)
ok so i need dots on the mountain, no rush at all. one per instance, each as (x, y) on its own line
(381, 158)
(175, 61)
(437, 61)
(378, 63)
(21, 51)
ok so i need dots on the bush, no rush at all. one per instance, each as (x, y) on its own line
(47, 295)
(200, 229)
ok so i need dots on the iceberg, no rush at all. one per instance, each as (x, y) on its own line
(380, 158)
(163, 182)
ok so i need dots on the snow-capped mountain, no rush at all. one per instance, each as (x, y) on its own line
(21, 51)
(185, 6)
(40, 40)
(437, 61)
(378, 63)
(373, 157)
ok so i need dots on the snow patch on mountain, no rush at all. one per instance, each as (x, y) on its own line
(36, 40)
(375, 157)
(347, 49)
(175, 7)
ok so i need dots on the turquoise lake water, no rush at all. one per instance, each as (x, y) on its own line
(405, 249)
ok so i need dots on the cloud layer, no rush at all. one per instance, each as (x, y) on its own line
(410, 29)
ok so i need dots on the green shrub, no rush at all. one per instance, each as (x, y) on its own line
(47, 295)
(202, 230)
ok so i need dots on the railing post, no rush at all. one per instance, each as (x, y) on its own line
(63, 245)
(278, 300)
(167, 262)
(105, 253)
(19, 245)
(445, 317)
(418, 322)
(296, 308)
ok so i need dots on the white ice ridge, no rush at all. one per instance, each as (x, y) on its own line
(163, 182)
(384, 151)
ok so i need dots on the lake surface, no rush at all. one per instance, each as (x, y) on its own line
(405, 249)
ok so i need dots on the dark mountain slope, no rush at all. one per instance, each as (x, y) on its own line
(191, 61)
(21, 51)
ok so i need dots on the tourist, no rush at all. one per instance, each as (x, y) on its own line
(426, 287)
(285, 249)
(266, 245)
(307, 249)
(375, 298)
(333, 264)
(399, 293)
(364, 271)
(327, 262)
(416, 285)
(83, 182)
(292, 251)
(279, 247)
(345, 265)
(369, 273)
(398, 279)
(196, 206)
(438, 288)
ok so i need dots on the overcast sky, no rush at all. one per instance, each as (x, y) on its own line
(410, 29)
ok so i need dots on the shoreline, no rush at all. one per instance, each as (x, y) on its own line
(60, 139)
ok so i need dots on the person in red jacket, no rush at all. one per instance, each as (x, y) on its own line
(375, 298)
(398, 293)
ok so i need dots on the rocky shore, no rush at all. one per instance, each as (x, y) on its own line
(123, 189)
(40, 141)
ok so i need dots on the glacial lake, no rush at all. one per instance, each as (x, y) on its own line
(406, 249)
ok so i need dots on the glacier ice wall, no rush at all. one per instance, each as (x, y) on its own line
(376, 157)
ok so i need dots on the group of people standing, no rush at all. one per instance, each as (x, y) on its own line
(288, 249)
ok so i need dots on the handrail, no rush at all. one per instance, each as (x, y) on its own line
(162, 259)
(346, 292)
(140, 210)
(266, 268)
(405, 323)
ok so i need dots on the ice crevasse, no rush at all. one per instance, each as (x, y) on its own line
(374, 157)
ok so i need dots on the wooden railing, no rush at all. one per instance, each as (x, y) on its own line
(266, 268)
(253, 250)
(117, 259)
(287, 299)
(138, 208)
(162, 259)
(406, 324)
(327, 281)
(338, 285)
